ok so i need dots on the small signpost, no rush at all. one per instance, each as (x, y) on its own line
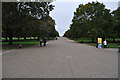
(99, 42)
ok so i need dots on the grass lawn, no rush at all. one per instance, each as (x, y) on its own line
(86, 40)
(15, 45)
(110, 45)
(25, 43)
(89, 42)
(14, 38)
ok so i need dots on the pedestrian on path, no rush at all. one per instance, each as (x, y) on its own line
(56, 38)
(20, 45)
(41, 42)
(105, 44)
(44, 41)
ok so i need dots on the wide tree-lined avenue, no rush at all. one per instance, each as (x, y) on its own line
(25, 25)
(62, 58)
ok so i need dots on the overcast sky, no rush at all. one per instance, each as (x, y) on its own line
(64, 9)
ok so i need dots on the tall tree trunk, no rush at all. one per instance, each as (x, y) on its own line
(10, 40)
(38, 38)
(24, 38)
(6, 39)
(34, 38)
(113, 39)
(92, 40)
(82, 41)
(18, 38)
(48, 38)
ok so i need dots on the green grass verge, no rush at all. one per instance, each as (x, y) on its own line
(28, 38)
(87, 40)
(25, 44)
(90, 40)
(110, 45)
(15, 45)
(22, 42)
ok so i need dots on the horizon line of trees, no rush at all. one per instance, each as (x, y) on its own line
(93, 20)
(27, 19)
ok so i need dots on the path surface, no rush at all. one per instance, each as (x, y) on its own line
(61, 58)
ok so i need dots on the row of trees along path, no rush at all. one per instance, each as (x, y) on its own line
(93, 20)
(26, 19)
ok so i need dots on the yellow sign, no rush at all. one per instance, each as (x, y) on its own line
(99, 40)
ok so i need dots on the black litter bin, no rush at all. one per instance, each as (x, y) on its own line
(118, 48)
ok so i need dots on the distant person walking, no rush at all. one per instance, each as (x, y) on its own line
(105, 44)
(56, 38)
(44, 41)
(41, 42)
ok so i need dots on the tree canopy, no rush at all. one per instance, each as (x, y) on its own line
(93, 20)
(27, 19)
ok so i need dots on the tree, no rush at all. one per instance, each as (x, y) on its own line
(17, 17)
(91, 20)
(116, 23)
(9, 15)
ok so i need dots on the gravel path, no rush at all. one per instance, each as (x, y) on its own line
(62, 58)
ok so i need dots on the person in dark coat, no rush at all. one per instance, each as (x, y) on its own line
(56, 38)
(41, 42)
(44, 41)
